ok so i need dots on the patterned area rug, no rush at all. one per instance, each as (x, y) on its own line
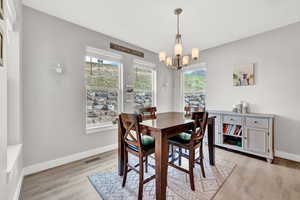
(108, 185)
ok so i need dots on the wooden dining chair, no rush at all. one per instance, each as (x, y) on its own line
(189, 110)
(148, 113)
(138, 145)
(191, 142)
(188, 113)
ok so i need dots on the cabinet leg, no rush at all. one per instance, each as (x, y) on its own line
(269, 160)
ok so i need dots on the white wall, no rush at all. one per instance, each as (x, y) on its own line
(277, 77)
(13, 135)
(54, 112)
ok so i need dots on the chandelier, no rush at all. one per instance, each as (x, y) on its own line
(178, 60)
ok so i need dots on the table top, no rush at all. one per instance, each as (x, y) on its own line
(167, 120)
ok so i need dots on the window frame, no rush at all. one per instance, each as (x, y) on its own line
(194, 67)
(151, 67)
(113, 57)
(153, 91)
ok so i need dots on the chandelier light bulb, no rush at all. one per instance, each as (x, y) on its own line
(162, 56)
(185, 60)
(195, 53)
(169, 61)
(178, 49)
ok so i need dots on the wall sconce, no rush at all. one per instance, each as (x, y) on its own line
(59, 69)
(166, 84)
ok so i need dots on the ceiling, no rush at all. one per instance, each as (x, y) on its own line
(151, 24)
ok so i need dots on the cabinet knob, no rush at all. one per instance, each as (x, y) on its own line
(255, 122)
(245, 138)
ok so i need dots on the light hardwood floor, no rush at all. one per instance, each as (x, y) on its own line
(253, 179)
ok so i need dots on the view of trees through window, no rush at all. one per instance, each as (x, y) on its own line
(194, 84)
(143, 87)
(102, 89)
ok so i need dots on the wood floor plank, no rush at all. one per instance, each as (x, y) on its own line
(253, 179)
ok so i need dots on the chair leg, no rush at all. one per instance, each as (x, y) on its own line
(172, 153)
(201, 161)
(125, 168)
(202, 168)
(146, 164)
(179, 156)
(201, 150)
(140, 194)
(191, 169)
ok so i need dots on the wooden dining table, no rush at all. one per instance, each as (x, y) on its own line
(166, 125)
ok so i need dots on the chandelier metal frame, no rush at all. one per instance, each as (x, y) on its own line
(178, 60)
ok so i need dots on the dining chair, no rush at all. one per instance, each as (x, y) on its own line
(148, 113)
(188, 113)
(138, 145)
(191, 142)
(190, 109)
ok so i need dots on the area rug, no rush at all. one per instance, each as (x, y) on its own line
(108, 185)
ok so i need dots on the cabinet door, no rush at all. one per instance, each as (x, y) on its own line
(218, 129)
(256, 140)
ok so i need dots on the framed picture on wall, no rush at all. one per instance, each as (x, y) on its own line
(1, 9)
(243, 75)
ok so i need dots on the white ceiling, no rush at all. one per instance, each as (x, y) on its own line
(151, 24)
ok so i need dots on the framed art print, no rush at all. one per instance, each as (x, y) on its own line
(243, 75)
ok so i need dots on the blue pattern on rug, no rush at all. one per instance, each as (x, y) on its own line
(109, 185)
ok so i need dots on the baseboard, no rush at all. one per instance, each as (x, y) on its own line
(19, 186)
(67, 159)
(288, 156)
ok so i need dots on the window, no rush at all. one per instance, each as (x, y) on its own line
(194, 84)
(144, 85)
(103, 86)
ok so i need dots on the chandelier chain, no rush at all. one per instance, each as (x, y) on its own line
(178, 24)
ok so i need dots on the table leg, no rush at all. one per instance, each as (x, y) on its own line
(120, 151)
(211, 140)
(161, 165)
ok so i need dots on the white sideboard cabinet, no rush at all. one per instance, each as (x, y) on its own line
(249, 133)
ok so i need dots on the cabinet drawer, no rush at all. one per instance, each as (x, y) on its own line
(257, 122)
(232, 119)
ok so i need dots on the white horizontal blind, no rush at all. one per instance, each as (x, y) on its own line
(103, 54)
(145, 64)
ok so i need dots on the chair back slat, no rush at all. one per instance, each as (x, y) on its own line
(200, 124)
(148, 113)
(189, 110)
(130, 124)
